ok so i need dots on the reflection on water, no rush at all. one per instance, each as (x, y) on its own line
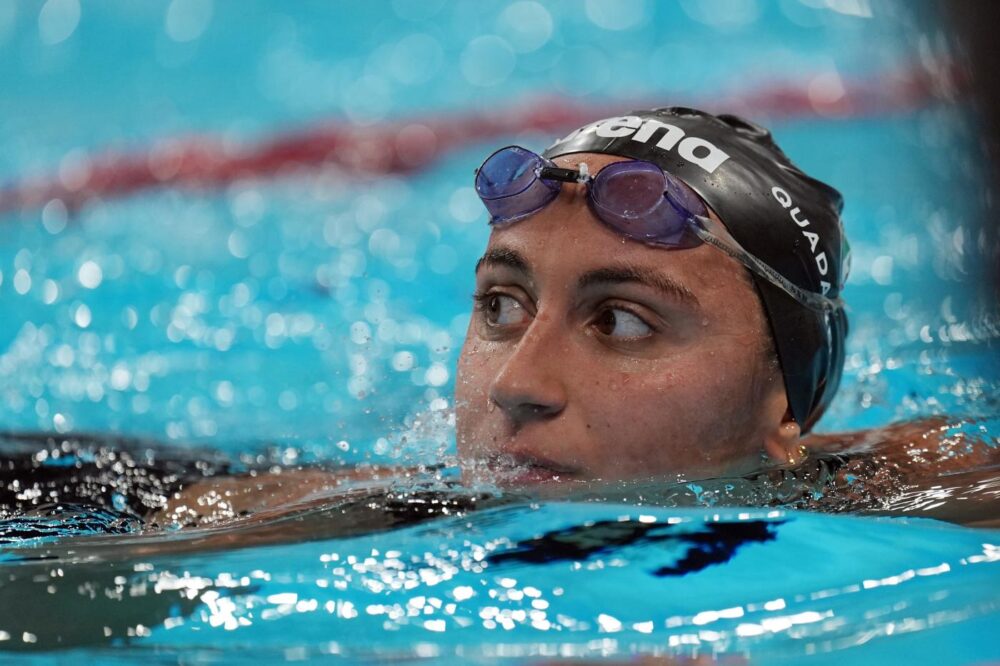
(521, 579)
(65, 486)
(416, 565)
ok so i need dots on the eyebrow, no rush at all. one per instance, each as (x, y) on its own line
(628, 274)
(620, 274)
(503, 256)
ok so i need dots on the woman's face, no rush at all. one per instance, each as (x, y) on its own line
(590, 356)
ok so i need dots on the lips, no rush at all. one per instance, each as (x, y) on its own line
(523, 469)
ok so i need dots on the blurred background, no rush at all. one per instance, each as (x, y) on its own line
(250, 224)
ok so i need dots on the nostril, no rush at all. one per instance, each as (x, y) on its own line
(530, 384)
(526, 405)
(529, 410)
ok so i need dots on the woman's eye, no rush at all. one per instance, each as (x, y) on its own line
(619, 323)
(502, 310)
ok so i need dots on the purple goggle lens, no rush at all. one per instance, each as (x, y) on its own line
(635, 198)
(511, 185)
(640, 201)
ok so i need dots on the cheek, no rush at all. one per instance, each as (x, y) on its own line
(655, 411)
(475, 364)
(475, 373)
(673, 418)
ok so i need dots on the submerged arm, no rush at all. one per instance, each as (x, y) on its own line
(933, 468)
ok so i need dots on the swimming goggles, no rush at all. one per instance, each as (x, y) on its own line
(635, 198)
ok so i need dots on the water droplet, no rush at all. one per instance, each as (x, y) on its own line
(82, 316)
(90, 275)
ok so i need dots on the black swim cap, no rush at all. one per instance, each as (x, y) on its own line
(779, 214)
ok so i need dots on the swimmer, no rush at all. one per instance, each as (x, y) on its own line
(660, 297)
(660, 294)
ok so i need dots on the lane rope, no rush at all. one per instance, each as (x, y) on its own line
(408, 145)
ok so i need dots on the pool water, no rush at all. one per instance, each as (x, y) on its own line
(313, 315)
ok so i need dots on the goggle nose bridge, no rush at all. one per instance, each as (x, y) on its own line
(581, 174)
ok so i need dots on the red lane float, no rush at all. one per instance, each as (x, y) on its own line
(409, 145)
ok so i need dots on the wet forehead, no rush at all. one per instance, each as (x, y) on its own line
(595, 161)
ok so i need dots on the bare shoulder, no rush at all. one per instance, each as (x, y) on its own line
(933, 445)
(935, 468)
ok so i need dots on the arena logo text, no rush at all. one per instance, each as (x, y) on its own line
(696, 150)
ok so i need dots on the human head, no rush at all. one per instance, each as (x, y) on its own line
(741, 403)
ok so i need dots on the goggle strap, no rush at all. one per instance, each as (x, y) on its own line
(809, 299)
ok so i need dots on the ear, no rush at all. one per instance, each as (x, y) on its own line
(782, 435)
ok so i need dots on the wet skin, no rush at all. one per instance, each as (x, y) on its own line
(590, 356)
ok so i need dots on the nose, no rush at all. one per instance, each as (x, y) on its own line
(530, 385)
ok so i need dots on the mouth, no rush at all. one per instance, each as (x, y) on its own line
(512, 469)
